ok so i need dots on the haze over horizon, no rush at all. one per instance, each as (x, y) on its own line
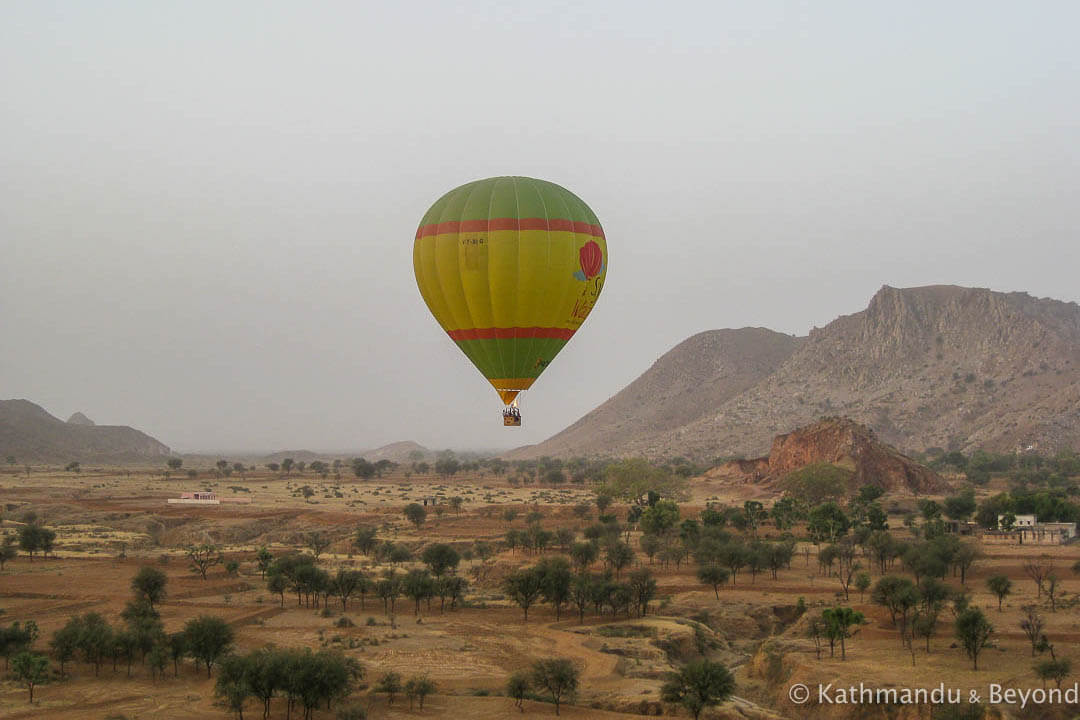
(208, 210)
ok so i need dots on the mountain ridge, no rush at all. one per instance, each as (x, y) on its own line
(934, 366)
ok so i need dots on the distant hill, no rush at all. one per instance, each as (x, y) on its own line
(399, 452)
(31, 435)
(80, 419)
(297, 456)
(929, 367)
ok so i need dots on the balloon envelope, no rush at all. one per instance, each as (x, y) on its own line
(510, 267)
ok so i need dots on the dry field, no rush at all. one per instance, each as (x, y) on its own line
(111, 522)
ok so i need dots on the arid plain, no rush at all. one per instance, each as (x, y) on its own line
(109, 522)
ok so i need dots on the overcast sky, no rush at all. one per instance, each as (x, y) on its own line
(207, 209)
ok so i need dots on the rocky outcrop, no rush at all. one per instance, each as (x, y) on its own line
(929, 367)
(843, 442)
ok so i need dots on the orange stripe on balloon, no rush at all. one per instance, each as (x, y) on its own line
(512, 333)
(494, 224)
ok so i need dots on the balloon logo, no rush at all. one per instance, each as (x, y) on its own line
(591, 259)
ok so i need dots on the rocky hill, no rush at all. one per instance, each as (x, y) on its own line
(937, 366)
(31, 435)
(844, 443)
(399, 452)
(80, 419)
(696, 376)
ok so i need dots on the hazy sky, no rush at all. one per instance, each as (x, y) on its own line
(207, 209)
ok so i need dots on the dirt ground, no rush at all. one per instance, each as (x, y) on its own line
(111, 522)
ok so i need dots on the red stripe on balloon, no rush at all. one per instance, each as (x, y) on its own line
(510, 224)
(512, 333)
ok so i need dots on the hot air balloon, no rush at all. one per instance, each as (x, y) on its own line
(510, 267)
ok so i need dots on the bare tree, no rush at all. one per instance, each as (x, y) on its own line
(1032, 625)
(317, 542)
(1038, 569)
(1053, 587)
(204, 557)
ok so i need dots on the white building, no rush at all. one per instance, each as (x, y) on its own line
(1022, 521)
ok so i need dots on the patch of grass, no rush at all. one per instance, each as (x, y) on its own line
(626, 631)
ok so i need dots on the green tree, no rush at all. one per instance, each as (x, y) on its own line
(1053, 669)
(31, 669)
(517, 687)
(157, 659)
(178, 649)
(263, 559)
(862, 583)
(149, 585)
(208, 638)
(619, 555)
(650, 545)
(419, 585)
(364, 539)
(961, 507)
(827, 523)
(973, 631)
(699, 684)
(838, 624)
(266, 673)
(785, 512)
(1001, 586)
(868, 494)
(440, 559)
(556, 580)
(524, 587)
(390, 684)
(419, 687)
(603, 502)
(7, 550)
(174, 463)
(65, 642)
(581, 593)
(660, 518)
(557, 677)
(232, 684)
(714, 575)
(584, 554)
(753, 515)
(876, 518)
(363, 469)
(278, 583)
(447, 467)
(95, 639)
(900, 596)
(415, 513)
(643, 589)
(17, 638)
(346, 584)
(32, 539)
